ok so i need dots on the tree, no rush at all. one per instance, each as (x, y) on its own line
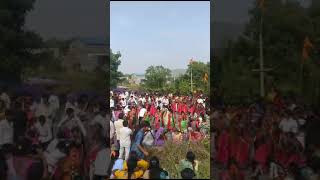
(199, 71)
(285, 26)
(17, 45)
(114, 65)
(156, 78)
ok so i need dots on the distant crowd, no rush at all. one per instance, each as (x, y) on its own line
(53, 137)
(275, 138)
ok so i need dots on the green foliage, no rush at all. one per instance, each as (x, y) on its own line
(114, 65)
(171, 154)
(156, 78)
(16, 43)
(285, 25)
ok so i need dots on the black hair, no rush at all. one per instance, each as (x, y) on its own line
(155, 172)
(125, 123)
(191, 156)
(132, 164)
(42, 118)
(187, 173)
(69, 110)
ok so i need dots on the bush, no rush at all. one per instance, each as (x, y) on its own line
(171, 154)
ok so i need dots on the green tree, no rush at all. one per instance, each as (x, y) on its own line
(156, 78)
(199, 69)
(285, 26)
(16, 43)
(114, 65)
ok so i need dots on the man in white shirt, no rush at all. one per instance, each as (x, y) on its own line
(6, 130)
(100, 119)
(125, 140)
(118, 124)
(5, 98)
(142, 112)
(132, 101)
(71, 120)
(165, 101)
(44, 129)
(288, 124)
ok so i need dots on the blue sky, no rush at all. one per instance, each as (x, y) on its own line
(159, 33)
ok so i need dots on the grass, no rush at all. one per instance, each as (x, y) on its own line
(171, 154)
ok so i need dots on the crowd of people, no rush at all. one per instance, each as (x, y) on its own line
(142, 121)
(274, 138)
(52, 136)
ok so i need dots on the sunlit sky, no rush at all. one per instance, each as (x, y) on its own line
(159, 33)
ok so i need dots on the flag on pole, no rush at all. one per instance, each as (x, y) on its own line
(307, 45)
(205, 77)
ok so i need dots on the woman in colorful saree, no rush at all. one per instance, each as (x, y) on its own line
(159, 137)
(134, 168)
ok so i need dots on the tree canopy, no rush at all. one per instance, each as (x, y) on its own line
(114, 65)
(16, 43)
(285, 26)
(157, 78)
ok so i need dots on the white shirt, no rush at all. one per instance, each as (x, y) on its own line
(42, 109)
(6, 99)
(52, 145)
(118, 125)
(124, 135)
(165, 101)
(45, 132)
(142, 112)
(111, 103)
(288, 125)
(102, 162)
(54, 102)
(52, 158)
(6, 132)
(126, 110)
(102, 121)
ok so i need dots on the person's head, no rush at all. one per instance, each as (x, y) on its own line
(190, 156)
(125, 123)
(145, 126)
(154, 162)
(187, 173)
(42, 120)
(132, 165)
(70, 112)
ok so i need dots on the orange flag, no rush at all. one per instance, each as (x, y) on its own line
(205, 77)
(307, 45)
